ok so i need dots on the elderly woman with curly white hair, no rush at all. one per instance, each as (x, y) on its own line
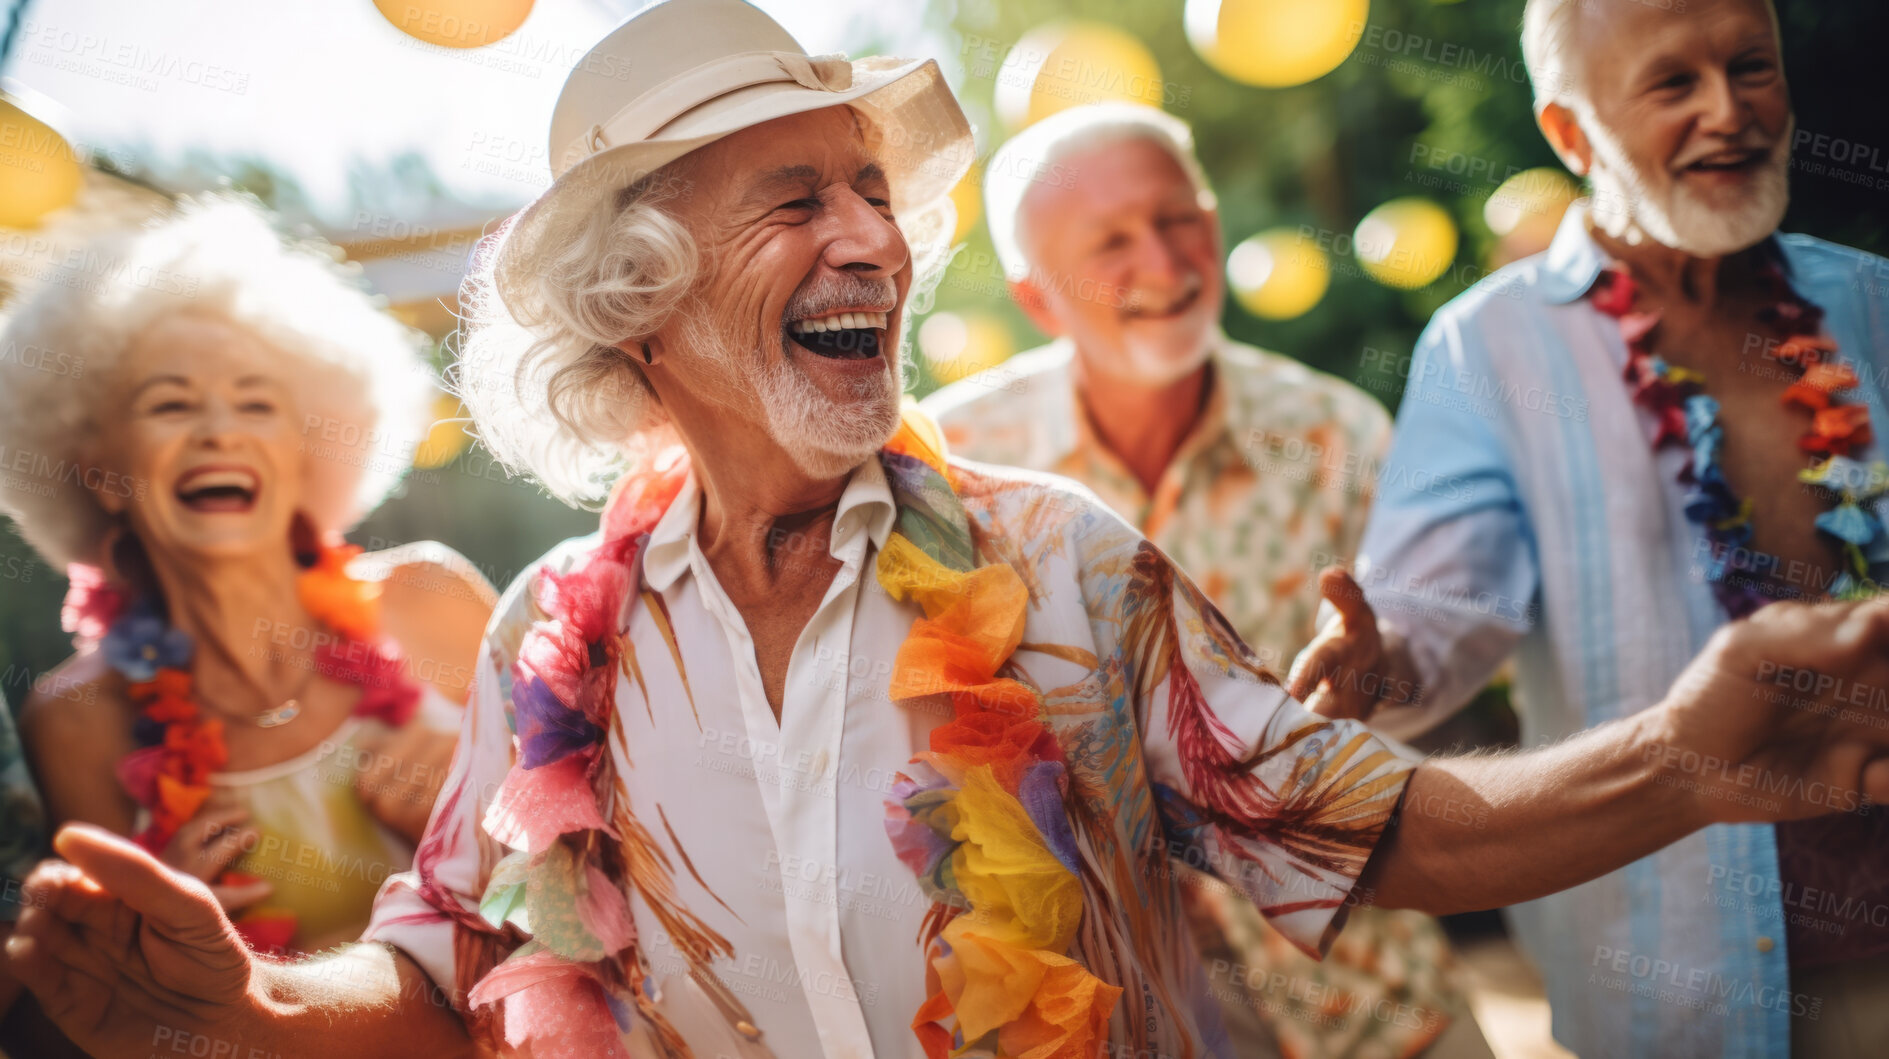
(256, 703)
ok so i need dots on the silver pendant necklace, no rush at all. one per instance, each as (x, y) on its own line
(279, 716)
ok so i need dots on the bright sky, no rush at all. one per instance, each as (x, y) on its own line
(317, 86)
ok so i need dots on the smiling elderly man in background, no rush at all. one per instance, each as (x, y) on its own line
(1606, 538)
(825, 744)
(1110, 235)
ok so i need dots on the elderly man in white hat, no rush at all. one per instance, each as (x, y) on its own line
(825, 742)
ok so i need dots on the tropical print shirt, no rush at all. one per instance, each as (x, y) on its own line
(1272, 485)
(771, 834)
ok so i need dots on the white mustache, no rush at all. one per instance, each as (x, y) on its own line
(853, 292)
(1190, 285)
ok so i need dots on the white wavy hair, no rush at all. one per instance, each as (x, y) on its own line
(1036, 156)
(552, 395)
(350, 364)
(1545, 28)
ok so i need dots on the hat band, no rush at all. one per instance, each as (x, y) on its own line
(669, 100)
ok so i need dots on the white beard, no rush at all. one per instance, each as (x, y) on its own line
(825, 438)
(1677, 218)
(1141, 358)
(1154, 367)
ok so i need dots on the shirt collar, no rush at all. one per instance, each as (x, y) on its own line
(1229, 406)
(1574, 259)
(866, 507)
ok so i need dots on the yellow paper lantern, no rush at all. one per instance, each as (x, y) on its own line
(1406, 243)
(1066, 64)
(39, 172)
(1526, 210)
(1275, 43)
(1278, 274)
(968, 199)
(447, 438)
(456, 23)
(958, 345)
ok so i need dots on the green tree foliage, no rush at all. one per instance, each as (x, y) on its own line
(1434, 101)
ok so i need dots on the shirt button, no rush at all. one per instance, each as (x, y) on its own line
(1765, 944)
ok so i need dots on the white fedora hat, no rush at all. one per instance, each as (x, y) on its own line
(685, 73)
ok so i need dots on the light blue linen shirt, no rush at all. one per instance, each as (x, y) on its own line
(1523, 512)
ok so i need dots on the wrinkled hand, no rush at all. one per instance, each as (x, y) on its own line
(208, 844)
(405, 769)
(1784, 715)
(122, 951)
(1338, 673)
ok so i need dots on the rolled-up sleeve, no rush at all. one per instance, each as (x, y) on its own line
(1448, 557)
(1280, 804)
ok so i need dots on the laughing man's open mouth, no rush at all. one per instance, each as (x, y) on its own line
(1733, 161)
(841, 336)
(1166, 311)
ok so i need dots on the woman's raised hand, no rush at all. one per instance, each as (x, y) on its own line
(208, 844)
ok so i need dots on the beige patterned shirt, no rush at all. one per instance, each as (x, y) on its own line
(1272, 486)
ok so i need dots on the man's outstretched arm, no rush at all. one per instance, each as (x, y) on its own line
(131, 959)
(1734, 741)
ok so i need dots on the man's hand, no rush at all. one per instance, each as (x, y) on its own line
(1784, 715)
(1339, 674)
(121, 950)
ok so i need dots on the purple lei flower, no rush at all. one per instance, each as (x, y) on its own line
(1042, 797)
(142, 642)
(547, 729)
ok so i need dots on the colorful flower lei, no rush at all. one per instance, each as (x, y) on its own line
(1685, 414)
(179, 747)
(984, 824)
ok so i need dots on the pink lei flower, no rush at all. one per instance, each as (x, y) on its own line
(91, 604)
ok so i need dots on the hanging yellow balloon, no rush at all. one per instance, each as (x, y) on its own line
(1526, 210)
(456, 23)
(39, 172)
(958, 345)
(1278, 274)
(1275, 43)
(1065, 64)
(1406, 243)
(447, 438)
